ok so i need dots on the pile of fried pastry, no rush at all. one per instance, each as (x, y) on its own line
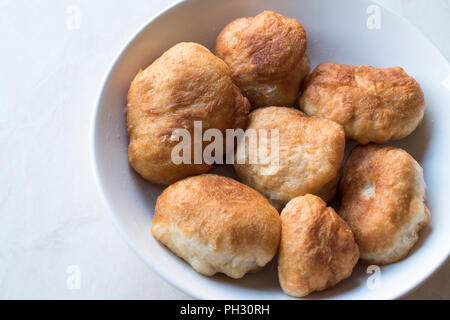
(260, 79)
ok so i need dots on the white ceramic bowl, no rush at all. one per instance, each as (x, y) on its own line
(337, 31)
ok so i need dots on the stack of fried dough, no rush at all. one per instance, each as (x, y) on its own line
(260, 80)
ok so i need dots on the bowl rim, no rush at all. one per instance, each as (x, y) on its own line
(98, 181)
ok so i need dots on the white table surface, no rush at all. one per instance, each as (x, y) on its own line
(51, 216)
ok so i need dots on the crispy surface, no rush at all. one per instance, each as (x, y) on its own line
(187, 83)
(383, 194)
(317, 248)
(310, 153)
(217, 225)
(373, 105)
(267, 56)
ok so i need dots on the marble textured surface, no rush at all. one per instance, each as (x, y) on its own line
(55, 54)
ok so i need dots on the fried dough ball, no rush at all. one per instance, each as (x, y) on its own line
(309, 153)
(267, 56)
(383, 195)
(317, 248)
(373, 105)
(186, 84)
(217, 224)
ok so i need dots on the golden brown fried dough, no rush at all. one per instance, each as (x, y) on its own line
(186, 84)
(317, 248)
(383, 194)
(310, 153)
(267, 56)
(217, 224)
(373, 105)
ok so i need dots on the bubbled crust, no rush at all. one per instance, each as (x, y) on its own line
(217, 225)
(383, 194)
(373, 105)
(187, 83)
(310, 153)
(317, 248)
(267, 56)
